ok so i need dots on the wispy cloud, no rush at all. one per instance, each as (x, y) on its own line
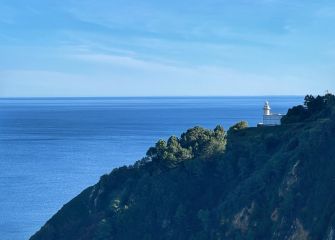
(162, 20)
(150, 47)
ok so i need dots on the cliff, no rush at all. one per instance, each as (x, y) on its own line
(249, 183)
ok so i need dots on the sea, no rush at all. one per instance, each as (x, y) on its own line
(51, 149)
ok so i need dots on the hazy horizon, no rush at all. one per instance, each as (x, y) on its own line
(177, 96)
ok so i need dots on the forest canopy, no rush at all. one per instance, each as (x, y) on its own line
(196, 142)
(313, 108)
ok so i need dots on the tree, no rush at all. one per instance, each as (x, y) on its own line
(197, 142)
(238, 126)
(295, 114)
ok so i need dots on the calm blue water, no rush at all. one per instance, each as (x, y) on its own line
(51, 149)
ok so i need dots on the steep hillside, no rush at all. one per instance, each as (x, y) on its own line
(249, 183)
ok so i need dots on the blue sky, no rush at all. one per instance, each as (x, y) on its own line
(166, 48)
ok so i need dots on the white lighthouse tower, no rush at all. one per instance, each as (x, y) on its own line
(269, 118)
(267, 108)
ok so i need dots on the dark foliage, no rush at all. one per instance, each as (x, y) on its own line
(252, 183)
(313, 108)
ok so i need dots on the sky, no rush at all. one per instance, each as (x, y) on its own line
(166, 48)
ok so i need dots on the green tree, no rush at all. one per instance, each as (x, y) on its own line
(238, 126)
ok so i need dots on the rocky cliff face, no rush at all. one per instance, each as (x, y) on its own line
(252, 183)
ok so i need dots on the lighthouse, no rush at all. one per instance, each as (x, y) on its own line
(269, 118)
(267, 108)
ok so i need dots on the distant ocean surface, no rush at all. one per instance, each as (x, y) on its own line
(53, 148)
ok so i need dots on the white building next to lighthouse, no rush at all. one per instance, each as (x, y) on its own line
(269, 118)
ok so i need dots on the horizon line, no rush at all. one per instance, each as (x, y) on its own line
(162, 96)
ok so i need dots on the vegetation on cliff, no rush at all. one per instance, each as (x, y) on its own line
(313, 108)
(247, 183)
